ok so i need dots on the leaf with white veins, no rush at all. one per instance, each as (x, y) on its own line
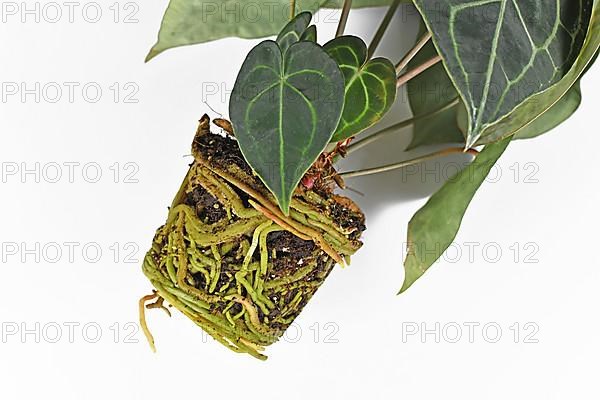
(370, 85)
(501, 53)
(284, 109)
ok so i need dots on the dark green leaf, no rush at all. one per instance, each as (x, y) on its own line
(434, 227)
(310, 35)
(284, 110)
(370, 85)
(428, 92)
(534, 107)
(293, 31)
(501, 53)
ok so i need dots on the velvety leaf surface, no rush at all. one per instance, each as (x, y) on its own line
(310, 34)
(500, 53)
(189, 22)
(428, 92)
(293, 31)
(434, 227)
(284, 109)
(527, 112)
(370, 88)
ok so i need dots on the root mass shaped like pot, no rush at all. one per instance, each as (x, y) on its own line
(228, 258)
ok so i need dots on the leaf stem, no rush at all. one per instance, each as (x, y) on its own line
(382, 28)
(413, 52)
(292, 9)
(344, 18)
(418, 70)
(403, 164)
(404, 124)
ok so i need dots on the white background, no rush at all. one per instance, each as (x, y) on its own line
(352, 340)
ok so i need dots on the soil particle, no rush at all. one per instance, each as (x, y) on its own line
(200, 280)
(348, 219)
(290, 251)
(208, 209)
(221, 151)
(236, 309)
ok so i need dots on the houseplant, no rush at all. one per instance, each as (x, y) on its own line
(258, 224)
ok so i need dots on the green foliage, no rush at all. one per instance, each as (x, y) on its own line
(293, 31)
(433, 89)
(555, 99)
(511, 70)
(188, 22)
(284, 109)
(361, 3)
(428, 92)
(532, 111)
(556, 115)
(500, 55)
(434, 227)
(370, 85)
(310, 34)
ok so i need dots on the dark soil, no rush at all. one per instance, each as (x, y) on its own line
(208, 209)
(290, 252)
(287, 252)
(348, 219)
(222, 151)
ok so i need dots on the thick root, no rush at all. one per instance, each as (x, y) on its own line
(231, 261)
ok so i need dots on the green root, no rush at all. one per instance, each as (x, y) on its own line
(228, 276)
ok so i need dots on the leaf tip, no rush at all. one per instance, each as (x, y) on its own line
(405, 286)
(151, 54)
(284, 206)
(408, 280)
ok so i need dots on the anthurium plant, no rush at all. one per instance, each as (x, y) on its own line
(260, 219)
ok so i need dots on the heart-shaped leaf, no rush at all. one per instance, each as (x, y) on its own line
(434, 227)
(433, 89)
(284, 109)
(293, 31)
(550, 119)
(370, 85)
(502, 53)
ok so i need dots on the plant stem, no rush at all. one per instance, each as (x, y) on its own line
(391, 129)
(382, 28)
(292, 9)
(418, 70)
(413, 52)
(403, 164)
(344, 18)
